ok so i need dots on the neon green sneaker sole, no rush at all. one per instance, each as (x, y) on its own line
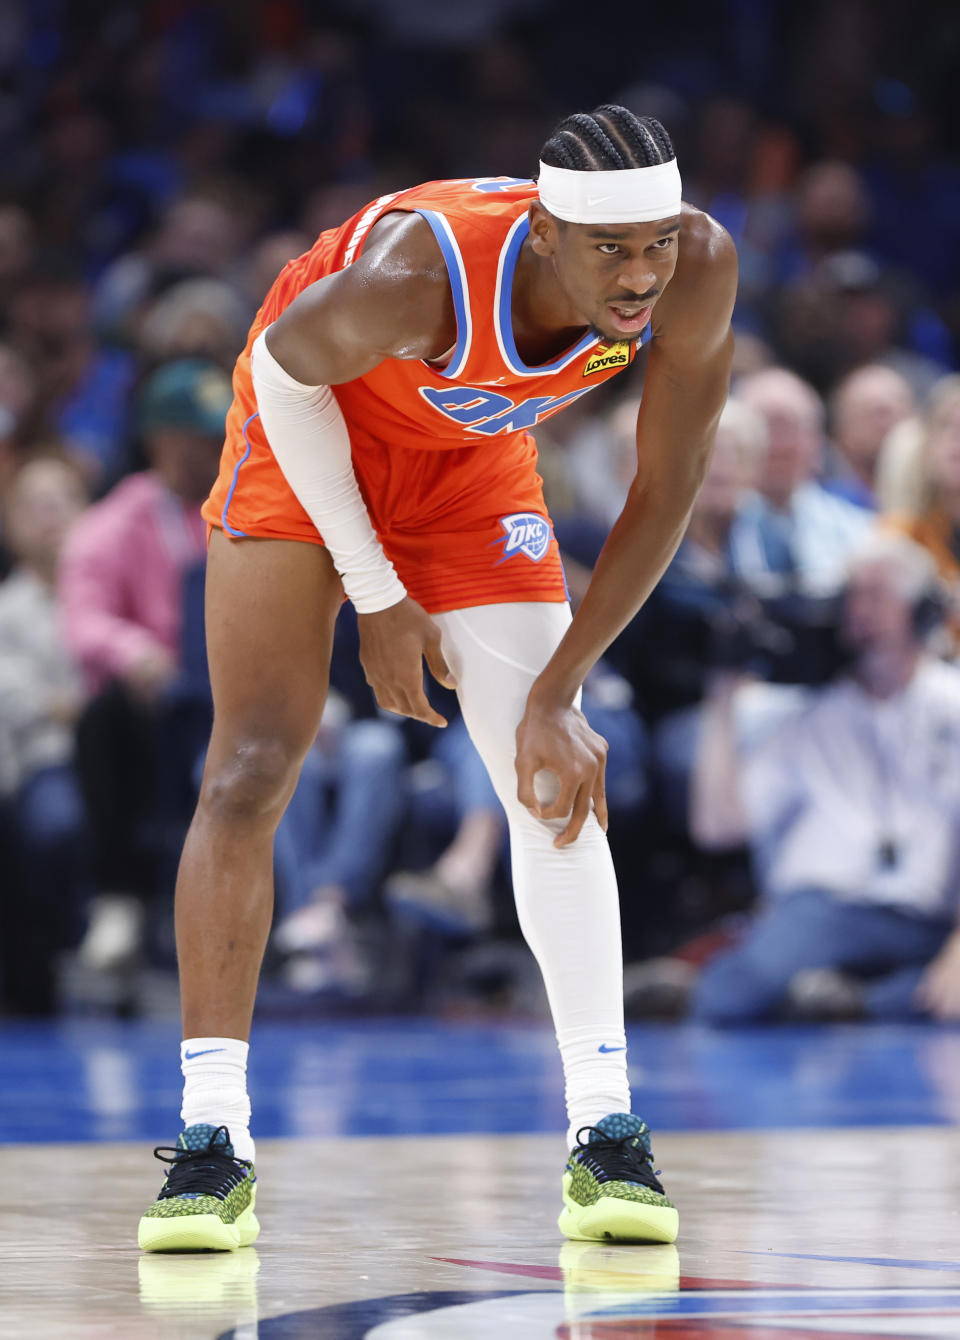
(612, 1219)
(199, 1232)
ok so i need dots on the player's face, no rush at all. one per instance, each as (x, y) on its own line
(613, 274)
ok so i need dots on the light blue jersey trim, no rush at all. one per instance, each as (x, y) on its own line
(458, 285)
(236, 475)
(503, 315)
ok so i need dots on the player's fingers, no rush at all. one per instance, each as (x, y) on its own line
(561, 807)
(417, 706)
(438, 665)
(581, 808)
(600, 802)
(526, 793)
(600, 788)
(385, 698)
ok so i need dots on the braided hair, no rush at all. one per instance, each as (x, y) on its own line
(606, 138)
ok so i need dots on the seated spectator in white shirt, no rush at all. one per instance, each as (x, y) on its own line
(851, 806)
(791, 534)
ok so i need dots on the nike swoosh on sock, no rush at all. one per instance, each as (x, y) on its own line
(188, 1056)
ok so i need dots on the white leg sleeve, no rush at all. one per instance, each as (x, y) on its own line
(566, 899)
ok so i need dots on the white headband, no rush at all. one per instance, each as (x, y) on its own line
(625, 195)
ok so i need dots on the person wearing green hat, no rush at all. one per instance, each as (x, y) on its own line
(121, 598)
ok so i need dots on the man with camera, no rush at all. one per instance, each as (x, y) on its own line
(850, 804)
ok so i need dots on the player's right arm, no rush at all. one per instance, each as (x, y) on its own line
(393, 302)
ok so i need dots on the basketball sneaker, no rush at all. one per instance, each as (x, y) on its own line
(207, 1199)
(610, 1191)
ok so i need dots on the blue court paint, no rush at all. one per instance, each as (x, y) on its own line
(901, 1262)
(354, 1321)
(81, 1079)
(547, 1312)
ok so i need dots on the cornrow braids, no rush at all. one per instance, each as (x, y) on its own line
(607, 138)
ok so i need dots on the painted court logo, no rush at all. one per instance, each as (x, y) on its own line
(527, 534)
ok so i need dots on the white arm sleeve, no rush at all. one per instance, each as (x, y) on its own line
(308, 436)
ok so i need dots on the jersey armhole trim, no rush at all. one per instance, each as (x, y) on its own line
(461, 295)
(502, 312)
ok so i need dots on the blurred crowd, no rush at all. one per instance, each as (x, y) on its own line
(784, 714)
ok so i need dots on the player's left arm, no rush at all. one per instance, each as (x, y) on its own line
(686, 385)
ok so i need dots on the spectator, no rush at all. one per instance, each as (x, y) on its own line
(123, 574)
(18, 420)
(865, 407)
(197, 236)
(792, 534)
(701, 584)
(16, 247)
(453, 896)
(931, 514)
(334, 844)
(699, 602)
(878, 316)
(196, 318)
(271, 255)
(851, 806)
(832, 215)
(40, 697)
(84, 387)
(600, 457)
(18, 394)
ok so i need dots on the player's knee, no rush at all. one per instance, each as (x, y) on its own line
(252, 780)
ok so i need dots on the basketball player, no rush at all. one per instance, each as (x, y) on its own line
(378, 446)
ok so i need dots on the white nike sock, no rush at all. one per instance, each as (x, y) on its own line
(215, 1088)
(595, 1074)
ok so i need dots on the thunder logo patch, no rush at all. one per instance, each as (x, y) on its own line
(527, 534)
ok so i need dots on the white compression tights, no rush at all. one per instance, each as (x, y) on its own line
(566, 899)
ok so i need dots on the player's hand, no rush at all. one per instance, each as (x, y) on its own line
(939, 988)
(393, 646)
(558, 739)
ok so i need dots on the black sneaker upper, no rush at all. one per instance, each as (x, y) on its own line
(617, 1159)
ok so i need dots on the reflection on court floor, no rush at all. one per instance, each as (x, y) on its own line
(820, 1216)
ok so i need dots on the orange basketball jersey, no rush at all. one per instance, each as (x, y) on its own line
(443, 456)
